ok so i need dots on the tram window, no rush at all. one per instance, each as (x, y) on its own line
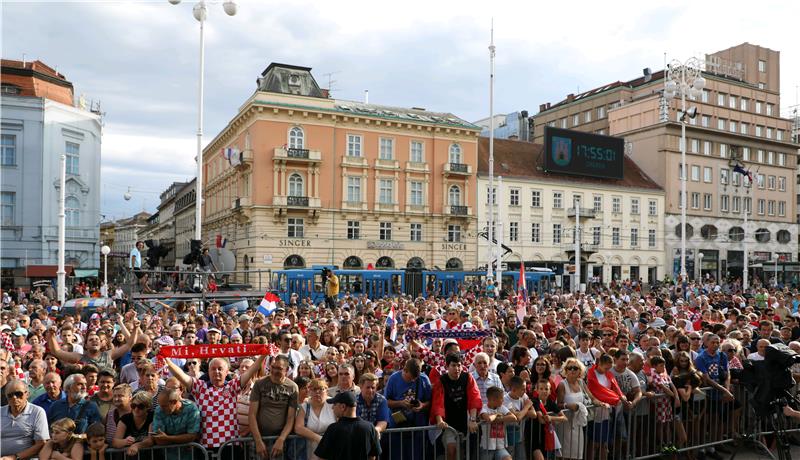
(281, 284)
(508, 282)
(356, 284)
(395, 284)
(319, 286)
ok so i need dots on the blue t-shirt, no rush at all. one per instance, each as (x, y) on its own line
(60, 409)
(397, 389)
(715, 366)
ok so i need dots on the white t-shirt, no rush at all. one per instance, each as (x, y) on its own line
(588, 359)
(755, 357)
(493, 435)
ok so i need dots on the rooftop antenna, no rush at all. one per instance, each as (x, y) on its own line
(331, 81)
(24, 55)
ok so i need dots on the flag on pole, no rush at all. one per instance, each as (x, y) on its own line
(391, 323)
(745, 172)
(221, 241)
(522, 295)
(268, 304)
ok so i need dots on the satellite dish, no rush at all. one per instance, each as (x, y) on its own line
(223, 258)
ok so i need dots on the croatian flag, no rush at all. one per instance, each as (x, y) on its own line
(745, 172)
(522, 295)
(232, 155)
(435, 324)
(221, 241)
(268, 304)
(391, 323)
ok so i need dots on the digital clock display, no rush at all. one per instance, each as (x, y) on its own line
(575, 152)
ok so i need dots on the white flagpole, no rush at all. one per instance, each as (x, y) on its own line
(490, 205)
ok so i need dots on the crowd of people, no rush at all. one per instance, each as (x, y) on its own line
(557, 374)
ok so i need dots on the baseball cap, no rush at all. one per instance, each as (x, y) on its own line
(348, 398)
(214, 329)
(21, 331)
(5, 327)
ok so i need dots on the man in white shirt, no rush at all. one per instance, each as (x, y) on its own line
(313, 350)
(761, 350)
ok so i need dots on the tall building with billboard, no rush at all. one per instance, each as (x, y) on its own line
(299, 179)
(737, 123)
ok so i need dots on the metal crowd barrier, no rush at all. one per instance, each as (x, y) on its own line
(413, 443)
(189, 451)
(655, 427)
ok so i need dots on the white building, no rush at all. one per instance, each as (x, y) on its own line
(622, 223)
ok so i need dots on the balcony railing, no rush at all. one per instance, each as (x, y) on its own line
(297, 153)
(459, 168)
(297, 200)
(587, 213)
(459, 210)
(585, 247)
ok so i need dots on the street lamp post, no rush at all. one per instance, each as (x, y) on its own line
(200, 13)
(775, 270)
(61, 274)
(105, 250)
(700, 269)
(684, 79)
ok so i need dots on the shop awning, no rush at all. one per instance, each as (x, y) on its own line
(45, 271)
(85, 273)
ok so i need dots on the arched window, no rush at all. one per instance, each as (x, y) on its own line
(454, 195)
(454, 264)
(294, 261)
(455, 153)
(353, 262)
(384, 262)
(72, 208)
(296, 138)
(736, 234)
(415, 262)
(296, 185)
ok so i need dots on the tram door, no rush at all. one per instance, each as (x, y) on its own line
(414, 283)
(449, 286)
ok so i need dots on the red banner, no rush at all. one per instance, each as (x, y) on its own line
(215, 351)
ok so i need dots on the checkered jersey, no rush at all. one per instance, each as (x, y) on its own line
(218, 411)
(437, 360)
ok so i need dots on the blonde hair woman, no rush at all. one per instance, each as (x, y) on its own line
(314, 416)
(64, 443)
(572, 397)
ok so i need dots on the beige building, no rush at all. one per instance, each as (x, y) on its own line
(737, 122)
(311, 180)
(621, 220)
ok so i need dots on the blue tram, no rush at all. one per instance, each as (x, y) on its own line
(376, 284)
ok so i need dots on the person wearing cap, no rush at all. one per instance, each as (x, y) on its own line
(350, 438)
(313, 350)
(213, 335)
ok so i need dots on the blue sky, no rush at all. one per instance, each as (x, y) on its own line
(140, 59)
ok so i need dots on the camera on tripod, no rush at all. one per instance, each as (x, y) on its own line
(770, 380)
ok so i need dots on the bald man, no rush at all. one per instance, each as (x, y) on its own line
(52, 393)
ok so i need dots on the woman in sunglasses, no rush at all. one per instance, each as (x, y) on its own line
(572, 396)
(133, 428)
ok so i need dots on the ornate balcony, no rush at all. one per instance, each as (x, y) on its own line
(460, 211)
(296, 201)
(458, 169)
(585, 213)
(302, 155)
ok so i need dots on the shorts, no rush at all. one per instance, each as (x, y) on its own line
(449, 436)
(600, 431)
(138, 272)
(498, 454)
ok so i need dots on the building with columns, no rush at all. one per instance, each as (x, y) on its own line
(621, 223)
(299, 179)
(738, 122)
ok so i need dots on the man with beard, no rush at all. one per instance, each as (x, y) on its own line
(23, 426)
(76, 407)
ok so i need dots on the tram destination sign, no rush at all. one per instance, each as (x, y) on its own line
(583, 154)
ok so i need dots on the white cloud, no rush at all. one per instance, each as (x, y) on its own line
(141, 58)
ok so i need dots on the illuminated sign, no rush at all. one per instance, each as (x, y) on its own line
(575, 152)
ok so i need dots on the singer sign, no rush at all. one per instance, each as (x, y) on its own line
(579, 153)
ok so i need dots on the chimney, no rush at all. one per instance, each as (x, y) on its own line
(366, 96)
(570, 97)
(542, 107)
(325, 93)
(548, 105)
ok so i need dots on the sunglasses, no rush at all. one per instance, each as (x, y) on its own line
(139, 406)
(695, 338)
(572, 368)
(16, 394)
